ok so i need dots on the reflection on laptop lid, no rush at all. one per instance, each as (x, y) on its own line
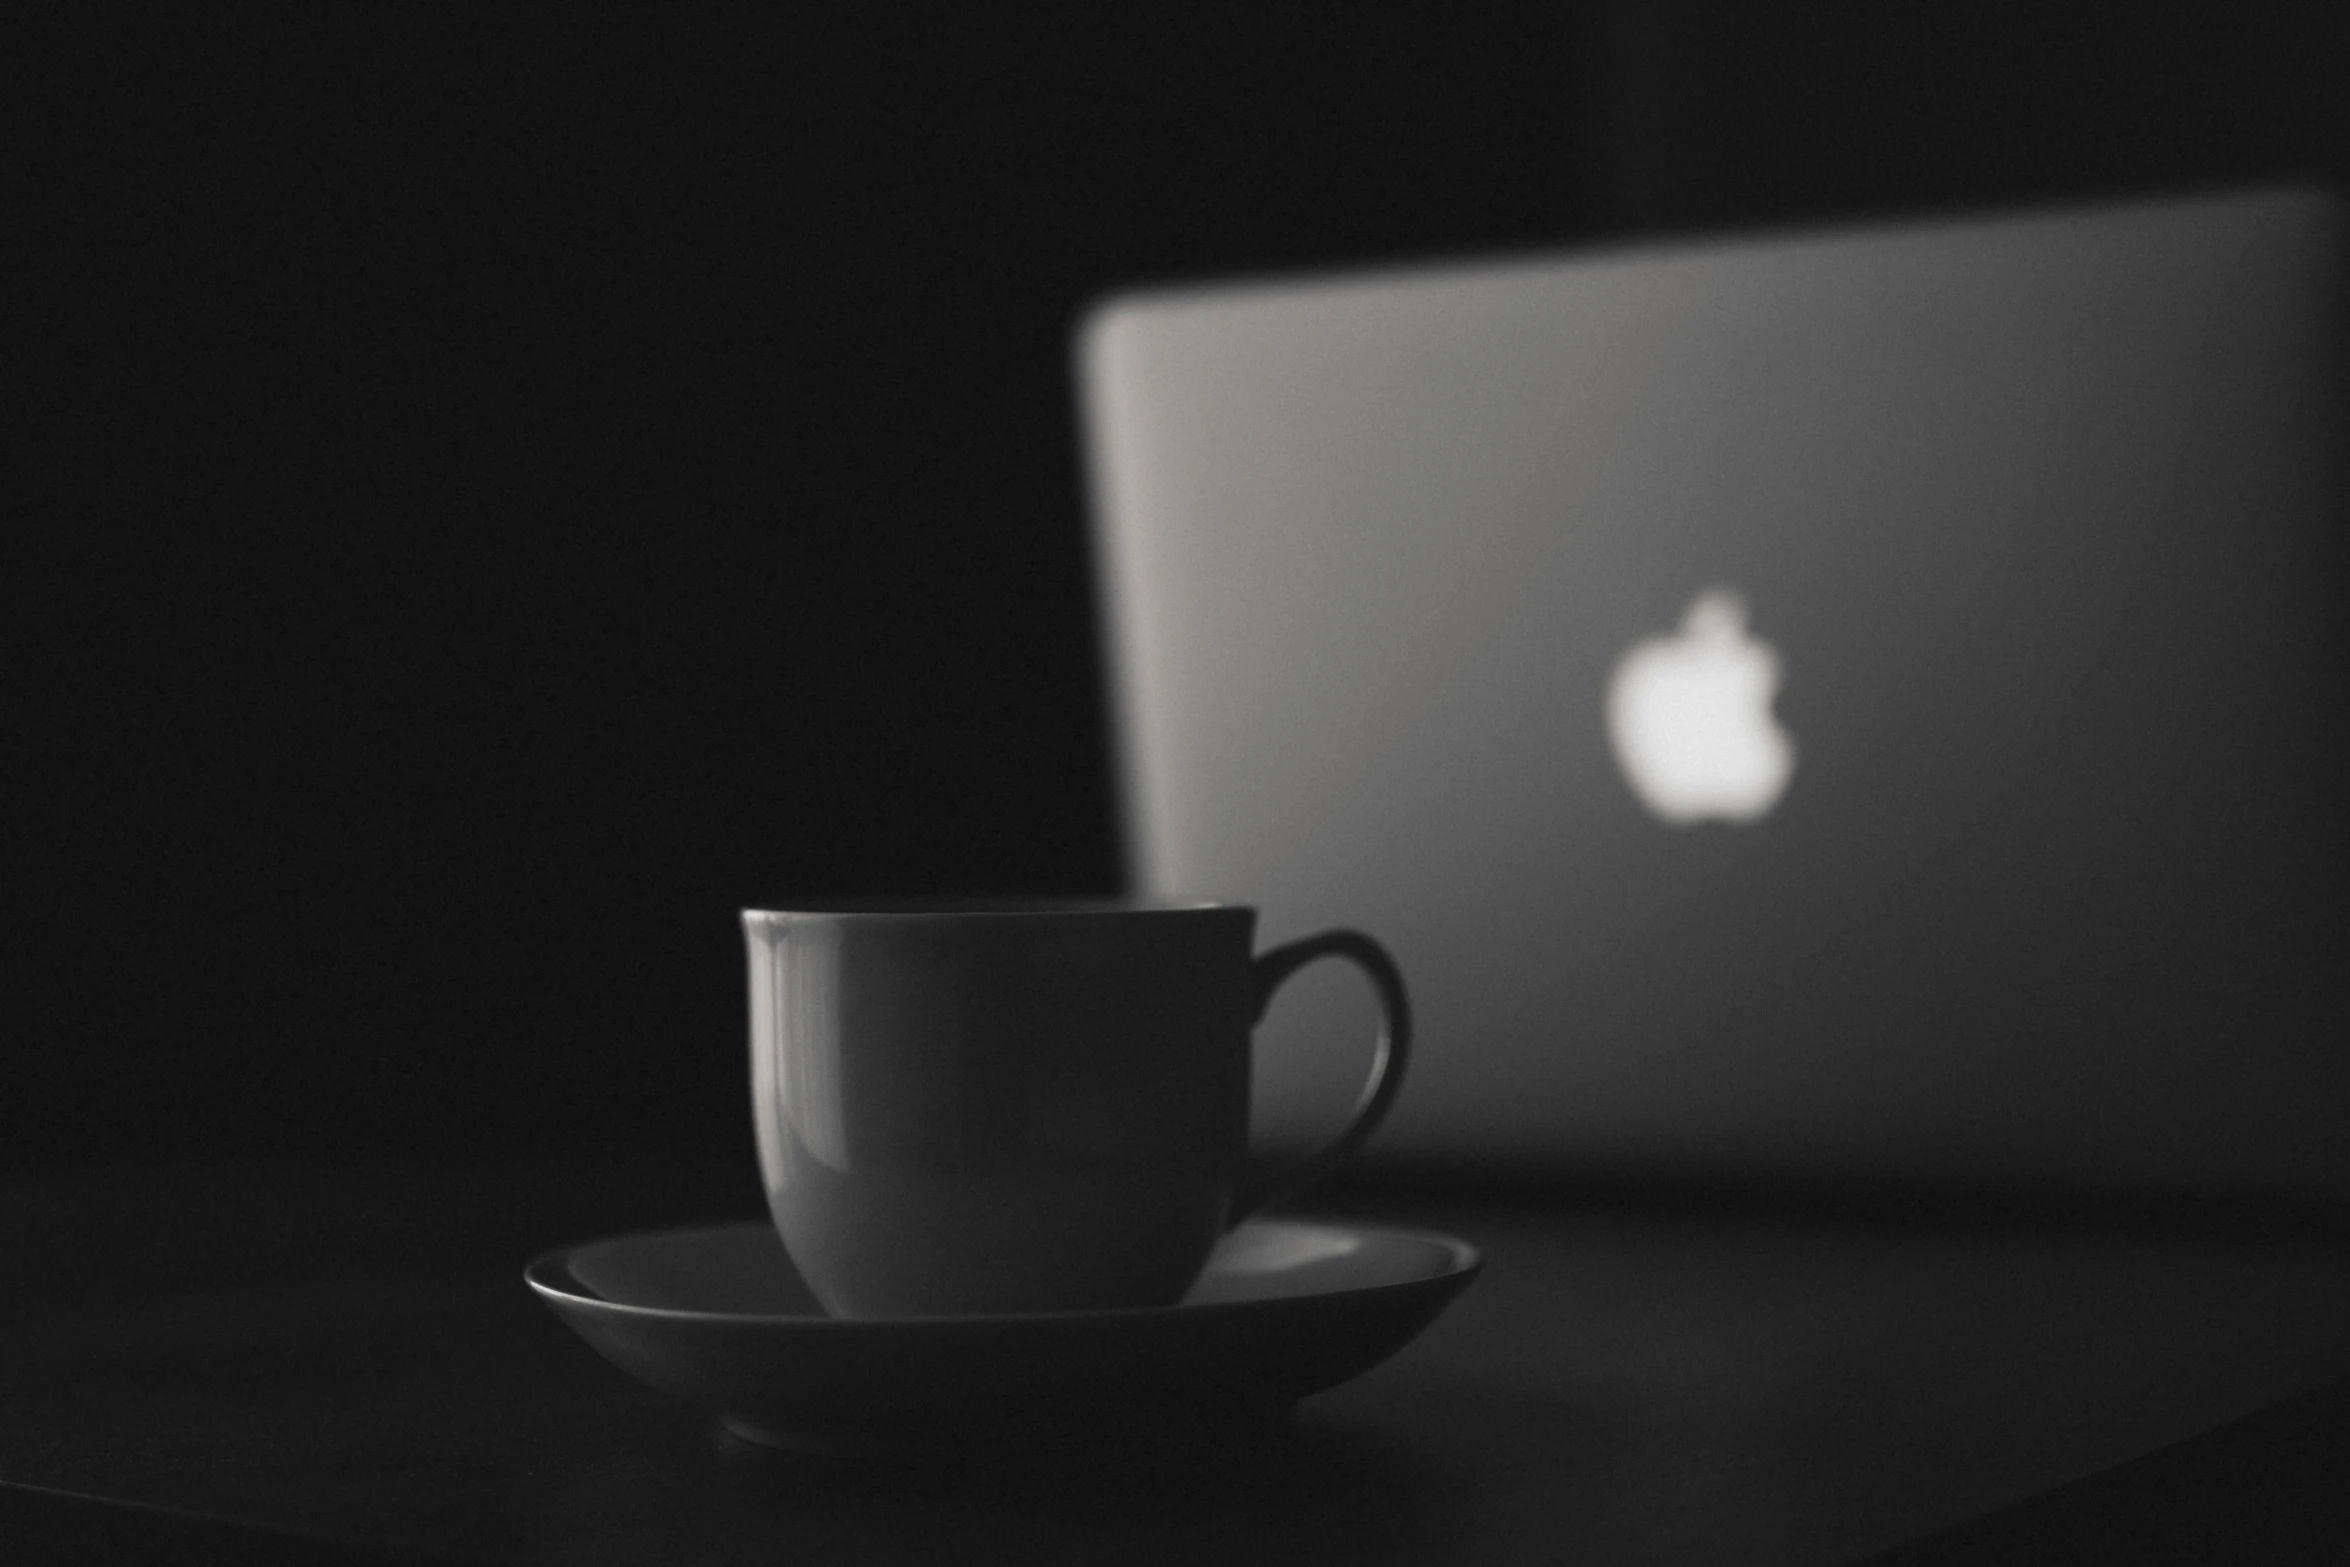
(1860, 702)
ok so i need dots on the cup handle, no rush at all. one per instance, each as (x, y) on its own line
(1394, 1048)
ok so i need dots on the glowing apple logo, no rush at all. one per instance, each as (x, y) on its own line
(1690, 718)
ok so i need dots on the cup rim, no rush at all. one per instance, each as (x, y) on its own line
(897, 910)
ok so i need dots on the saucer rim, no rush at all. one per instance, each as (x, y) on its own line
(1466, 1261)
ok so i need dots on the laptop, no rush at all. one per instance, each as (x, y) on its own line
(1865, 703)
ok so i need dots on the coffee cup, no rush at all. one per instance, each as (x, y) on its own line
(975, 1110)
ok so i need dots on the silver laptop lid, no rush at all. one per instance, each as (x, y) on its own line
(1862, 701)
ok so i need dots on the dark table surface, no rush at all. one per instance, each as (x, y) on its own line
(344, 1362)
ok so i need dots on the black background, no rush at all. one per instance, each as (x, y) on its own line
(495, 493)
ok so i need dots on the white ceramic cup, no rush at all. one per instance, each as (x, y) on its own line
(1026, 1108)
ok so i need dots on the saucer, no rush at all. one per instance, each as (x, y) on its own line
(717, 1316)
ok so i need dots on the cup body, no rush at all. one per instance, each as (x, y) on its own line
(980, 1111)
